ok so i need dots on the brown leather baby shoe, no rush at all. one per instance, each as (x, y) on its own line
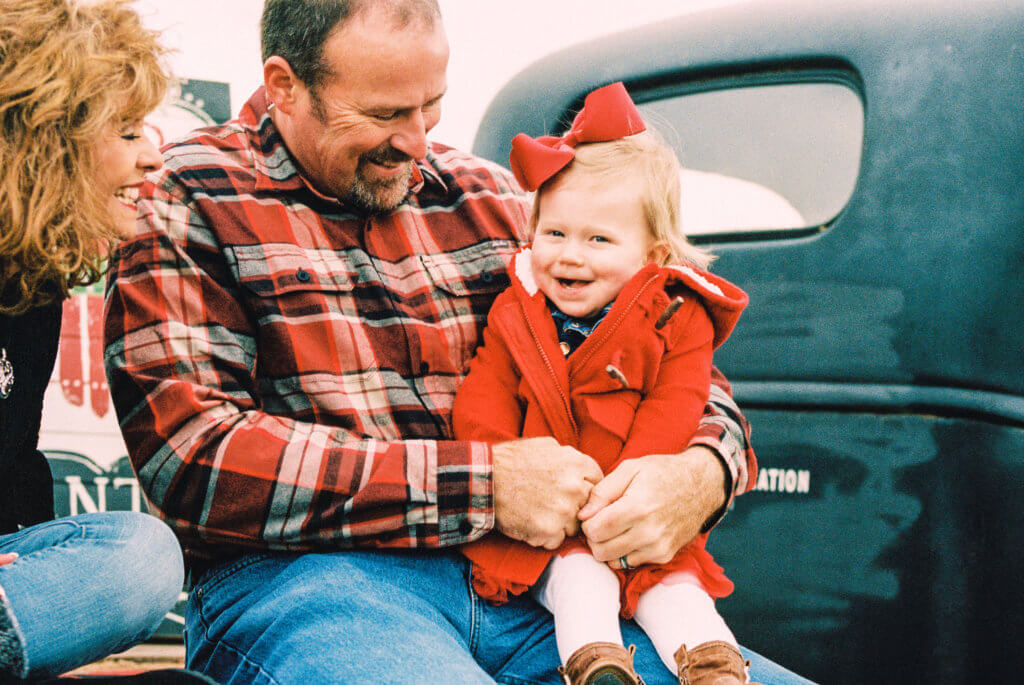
(601, 663)
(711, 663)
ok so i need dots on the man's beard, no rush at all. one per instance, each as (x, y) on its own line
(375, 196)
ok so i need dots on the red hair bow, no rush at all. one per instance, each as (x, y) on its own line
(608, 114)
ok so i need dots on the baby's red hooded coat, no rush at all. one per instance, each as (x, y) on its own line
(632, 388)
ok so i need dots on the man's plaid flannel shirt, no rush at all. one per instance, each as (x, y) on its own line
(284, 369)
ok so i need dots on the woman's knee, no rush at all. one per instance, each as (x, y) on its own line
(152, 545)
(144, 558)
(125, 567)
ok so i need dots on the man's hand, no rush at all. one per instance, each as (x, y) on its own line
(7, 558)
(647, 509)
(539, 487)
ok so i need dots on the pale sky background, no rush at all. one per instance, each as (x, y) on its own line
(491, 41)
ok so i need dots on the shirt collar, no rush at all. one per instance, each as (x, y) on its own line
(564, 322)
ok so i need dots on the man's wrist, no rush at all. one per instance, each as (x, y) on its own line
(717, 482)
(500, 454)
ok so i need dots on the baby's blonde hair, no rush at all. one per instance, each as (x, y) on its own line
(69, 70)
(643, 157)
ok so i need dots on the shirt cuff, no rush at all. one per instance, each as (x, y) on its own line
(465, 494)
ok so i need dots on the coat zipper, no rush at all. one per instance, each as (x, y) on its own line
(551, 370)
(622, 315)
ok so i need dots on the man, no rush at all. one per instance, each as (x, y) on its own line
(284, 340)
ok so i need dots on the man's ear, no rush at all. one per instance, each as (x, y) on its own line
(658, 253)
(281, 83)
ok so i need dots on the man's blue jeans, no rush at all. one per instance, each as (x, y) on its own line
(84, 587)
(379, 617)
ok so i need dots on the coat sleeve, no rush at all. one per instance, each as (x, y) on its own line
(486, 406)
(668, 415)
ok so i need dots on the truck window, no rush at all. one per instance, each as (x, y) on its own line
(774, 157)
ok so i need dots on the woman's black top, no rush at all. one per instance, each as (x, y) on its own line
(28, 352)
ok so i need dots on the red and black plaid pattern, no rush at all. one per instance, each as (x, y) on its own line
(283, 368)
(724, 430)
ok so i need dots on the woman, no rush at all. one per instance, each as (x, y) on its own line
(76, 80)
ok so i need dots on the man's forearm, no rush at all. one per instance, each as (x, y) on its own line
(256, 480)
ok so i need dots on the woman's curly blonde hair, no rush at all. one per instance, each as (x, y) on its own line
(69, 70)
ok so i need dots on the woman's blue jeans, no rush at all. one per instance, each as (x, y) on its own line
(380, 617)
(84, 587)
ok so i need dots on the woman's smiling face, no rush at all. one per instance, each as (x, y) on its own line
(123, 155)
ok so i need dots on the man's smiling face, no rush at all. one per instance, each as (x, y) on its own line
(356, 135)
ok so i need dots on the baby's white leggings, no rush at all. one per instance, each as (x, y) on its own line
(583, 595)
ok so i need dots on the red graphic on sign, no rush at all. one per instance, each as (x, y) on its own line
(99, 396)
(71, 376)
(83, 340)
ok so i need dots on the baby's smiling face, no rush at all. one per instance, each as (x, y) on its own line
(590, 240)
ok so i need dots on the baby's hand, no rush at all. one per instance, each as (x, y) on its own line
(7, 558)
(607, 491)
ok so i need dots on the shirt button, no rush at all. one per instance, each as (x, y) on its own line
(302, 276)
(487, 277)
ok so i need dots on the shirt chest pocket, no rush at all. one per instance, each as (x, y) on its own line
(273, 271)
(302, 302)
(462, 286)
